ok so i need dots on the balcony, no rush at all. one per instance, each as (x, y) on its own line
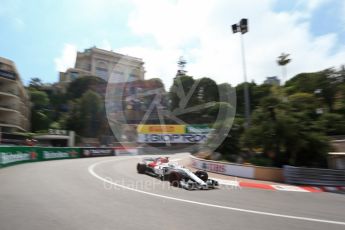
(13, 124)
(8, 93)
(8, 75)
(9, 108)
(10, 102)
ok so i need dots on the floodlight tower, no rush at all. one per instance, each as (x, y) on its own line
(181, 66)
(242, 27)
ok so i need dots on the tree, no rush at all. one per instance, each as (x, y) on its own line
(303, 82)
(39, 99)
(258, 93)
(228, 92)
(181, 86)
(80, 85)
(155, 83)
(87, 114)
(90, 106)
(333, 123)
(286, 134)
(283, 60)
(183, 96)
(324, 82)
(207, 90)
(217, 107)
(329, 87)
(240, 97)
(40, 113)
(58, 104)
(303, 102)
(36, 83)
(230, 148)
(39, 121)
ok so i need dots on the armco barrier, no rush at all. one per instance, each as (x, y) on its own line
(239, 170)
(314, 176)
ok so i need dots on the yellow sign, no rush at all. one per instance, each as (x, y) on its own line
(161, 129)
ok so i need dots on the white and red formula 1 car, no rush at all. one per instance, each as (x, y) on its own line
(177, 175)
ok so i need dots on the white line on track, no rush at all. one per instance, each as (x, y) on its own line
(92, 172)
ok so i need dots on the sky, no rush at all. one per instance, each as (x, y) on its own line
(43, 36)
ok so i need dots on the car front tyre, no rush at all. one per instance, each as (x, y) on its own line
(141, 168)
(175, 178)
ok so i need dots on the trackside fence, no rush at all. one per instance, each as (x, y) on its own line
(314, 176)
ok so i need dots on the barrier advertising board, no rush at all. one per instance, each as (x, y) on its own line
(97, 152)
(52, 153)
(223, 168)
(173, 133)
(198, 129)
(161, 129)
(15, 155)
(172, 138)
(126, 151)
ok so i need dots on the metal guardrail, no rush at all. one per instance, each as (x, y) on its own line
(314, 176)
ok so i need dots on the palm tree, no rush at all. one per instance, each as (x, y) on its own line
(283, 60)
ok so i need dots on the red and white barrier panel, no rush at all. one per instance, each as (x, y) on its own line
(287, 188)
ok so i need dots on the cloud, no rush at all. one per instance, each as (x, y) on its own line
(200, 31)
(105, 44)
(67, 58)
(313, 4)
(171, 24)
(159, 63)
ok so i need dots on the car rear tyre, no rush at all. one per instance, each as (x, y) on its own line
(141, 168)
(202, 175)
(175, 178)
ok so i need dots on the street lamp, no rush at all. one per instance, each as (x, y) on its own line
(242, 27)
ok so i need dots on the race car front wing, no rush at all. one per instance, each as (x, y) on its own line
(192, 185)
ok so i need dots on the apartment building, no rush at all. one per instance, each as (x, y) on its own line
(104, 64)
(14, 100)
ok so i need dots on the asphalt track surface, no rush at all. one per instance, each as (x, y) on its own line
(107, 193)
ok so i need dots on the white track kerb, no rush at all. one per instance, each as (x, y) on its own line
(92, 172)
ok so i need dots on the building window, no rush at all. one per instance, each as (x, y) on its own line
(132, 77)
(118, 76)
(74, 75)
(102, 73)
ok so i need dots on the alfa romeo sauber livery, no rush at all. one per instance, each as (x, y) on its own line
(177, 175)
